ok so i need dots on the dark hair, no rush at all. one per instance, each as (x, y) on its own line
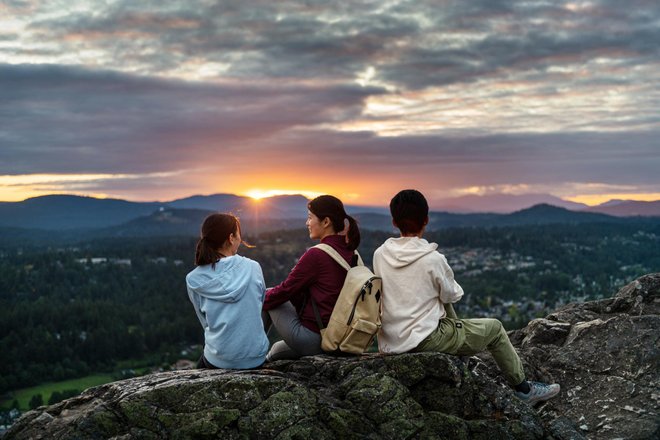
(216, 230)
(333, 208)
(409, 211)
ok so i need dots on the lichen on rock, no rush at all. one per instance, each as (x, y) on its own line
(315, 397)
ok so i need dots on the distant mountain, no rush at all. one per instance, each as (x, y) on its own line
(66, 212)
(176, 222)
(276, 207)
(536, 215)
(74, 213)
(186, 222)
(281, 207)
(614, 202)
(501, 203)
(628, 208)
(548, 214)
(62, 212)
(214, 202)
(356, 210)
(443, 220)
(163, 222)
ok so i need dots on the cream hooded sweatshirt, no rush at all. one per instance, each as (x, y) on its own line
(416, 282)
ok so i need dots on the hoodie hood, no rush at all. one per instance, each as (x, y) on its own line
(402, 251)
(227, 282)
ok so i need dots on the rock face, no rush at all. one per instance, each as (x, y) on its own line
(425, 395)
(603, 353)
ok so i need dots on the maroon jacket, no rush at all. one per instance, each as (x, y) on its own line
(316, 274)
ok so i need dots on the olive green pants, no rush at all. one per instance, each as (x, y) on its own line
(466, 337)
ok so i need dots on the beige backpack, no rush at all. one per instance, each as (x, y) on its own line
(355, 318)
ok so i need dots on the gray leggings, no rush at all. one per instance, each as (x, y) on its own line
(297, 340)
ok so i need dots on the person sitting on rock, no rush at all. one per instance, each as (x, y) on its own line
(417, 283)
(289, 307)
(227, 291)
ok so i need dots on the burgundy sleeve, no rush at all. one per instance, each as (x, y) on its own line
(302, 275)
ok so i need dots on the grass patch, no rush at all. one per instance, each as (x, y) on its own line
(47, 389)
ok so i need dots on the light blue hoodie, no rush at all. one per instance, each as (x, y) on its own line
(228, 300)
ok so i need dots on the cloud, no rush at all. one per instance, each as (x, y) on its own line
(72, 120)
(413, 44)
(375, 164)
(493, 93)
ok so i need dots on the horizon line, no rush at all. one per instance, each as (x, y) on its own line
(284, 194)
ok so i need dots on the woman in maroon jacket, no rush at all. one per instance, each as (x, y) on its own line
(317, 276)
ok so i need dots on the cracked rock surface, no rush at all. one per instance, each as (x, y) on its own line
(603, 353)
(415, 395)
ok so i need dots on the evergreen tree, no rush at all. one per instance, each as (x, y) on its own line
(36, 401)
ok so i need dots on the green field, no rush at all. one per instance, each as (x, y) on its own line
(46, 390)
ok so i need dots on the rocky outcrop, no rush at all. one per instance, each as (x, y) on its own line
(425, 395)
(604, 354)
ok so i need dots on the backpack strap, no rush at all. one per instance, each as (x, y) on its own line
(317, 315)
(338, 258)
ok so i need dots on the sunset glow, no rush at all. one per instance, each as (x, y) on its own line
(258, 194)
(15, 188)
(21, 187)
(151, 102)
(597, 199)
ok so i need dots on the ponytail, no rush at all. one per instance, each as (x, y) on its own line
(353, 235)
(216, 230)
(333, 208)
(205, 253)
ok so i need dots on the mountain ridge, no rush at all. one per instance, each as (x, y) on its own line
(67, 212)
(186, 222)
(502, 203)
(628, 208)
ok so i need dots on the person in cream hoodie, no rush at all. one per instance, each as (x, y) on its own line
(418, 288)
(412, 264)
(227, 292)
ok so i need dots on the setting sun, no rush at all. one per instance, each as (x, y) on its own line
(258, 194)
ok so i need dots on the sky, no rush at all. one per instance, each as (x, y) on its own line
(158, 100)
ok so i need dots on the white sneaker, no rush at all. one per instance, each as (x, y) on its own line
(538, 392)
